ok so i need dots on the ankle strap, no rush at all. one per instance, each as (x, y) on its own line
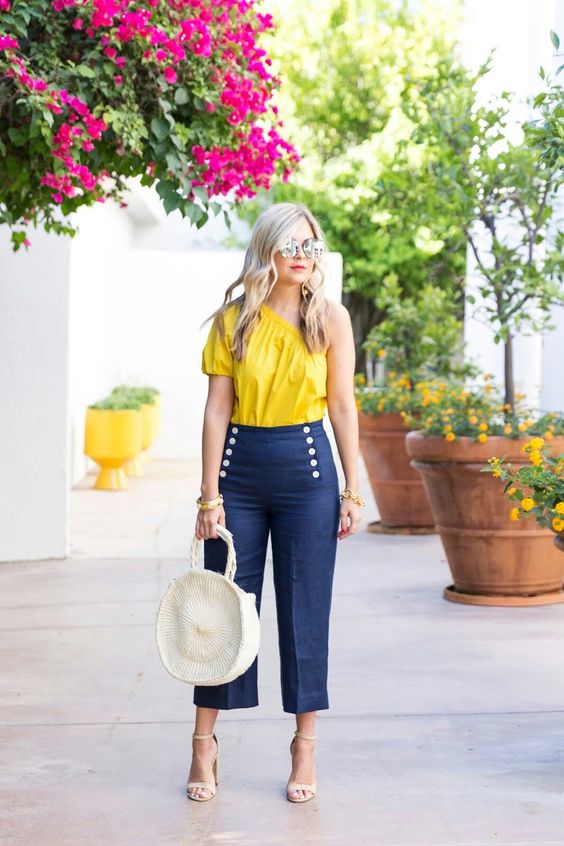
(305, 736)
(201, 736)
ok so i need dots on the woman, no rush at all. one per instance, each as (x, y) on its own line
(277, 357)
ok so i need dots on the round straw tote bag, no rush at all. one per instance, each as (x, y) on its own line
(207, 627)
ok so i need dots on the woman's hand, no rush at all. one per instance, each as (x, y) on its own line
(207, 520)
(350, 518)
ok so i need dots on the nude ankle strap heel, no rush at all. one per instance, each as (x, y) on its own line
(295, 785)
(210, 786)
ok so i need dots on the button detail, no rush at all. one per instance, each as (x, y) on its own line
(311, 451)
(315, 473)
(309, 440)
(228, 451)
(234, 430)
(232, 440)
(226, 463)
(222, 473)
(313, 462)
(306, 429)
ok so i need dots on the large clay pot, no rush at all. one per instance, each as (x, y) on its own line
(493, 561)
(397, 487)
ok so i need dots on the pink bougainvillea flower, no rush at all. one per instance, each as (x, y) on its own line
(170, 74)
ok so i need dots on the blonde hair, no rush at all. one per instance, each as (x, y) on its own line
(258, 276)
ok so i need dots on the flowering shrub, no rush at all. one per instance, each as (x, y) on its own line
(476, 412)
(93, 91)
(536, 490)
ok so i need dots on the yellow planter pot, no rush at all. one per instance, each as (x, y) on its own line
(112, 437)
(149, 425)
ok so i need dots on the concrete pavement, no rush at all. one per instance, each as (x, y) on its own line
(446, 723)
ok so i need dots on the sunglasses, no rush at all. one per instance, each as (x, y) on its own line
(312, 248)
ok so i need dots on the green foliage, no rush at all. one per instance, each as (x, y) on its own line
(480, 167)
(344, 66)
(419, 335)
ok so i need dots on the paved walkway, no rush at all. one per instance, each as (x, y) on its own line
(446, 723)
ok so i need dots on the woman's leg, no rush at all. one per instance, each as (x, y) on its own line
(203, 751)
(304, 525)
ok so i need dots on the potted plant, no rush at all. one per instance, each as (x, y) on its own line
(418, 341)
(113, 434)
(536, 490)
(491, 563)
(150, 408)
(504, 193)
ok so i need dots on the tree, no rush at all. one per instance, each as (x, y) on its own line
(489, 174)
(177, 92)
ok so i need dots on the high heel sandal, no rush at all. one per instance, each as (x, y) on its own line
(295, 785)
(211, 787)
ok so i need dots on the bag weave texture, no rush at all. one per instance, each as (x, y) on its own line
(207, 627)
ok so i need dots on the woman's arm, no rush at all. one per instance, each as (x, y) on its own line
(341, 407)
(217, 414)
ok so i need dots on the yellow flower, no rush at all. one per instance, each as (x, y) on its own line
(482, 438)
(450, 436)
(447, 428)
(535, 458)
(511, 491)
(558, 524)
(473, 419)
(559, 507)
(381, 353)
(522, 427)
(508, 428)
(527, 503)
(483, 427)
(514, 514)
(536, 443)
(548, 435)
(496, 473)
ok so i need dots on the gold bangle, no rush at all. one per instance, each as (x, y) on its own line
(211, 503)
(348, 494)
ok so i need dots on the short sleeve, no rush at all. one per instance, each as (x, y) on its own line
(216, 355)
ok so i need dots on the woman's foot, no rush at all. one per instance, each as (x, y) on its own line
(303, 769)
(203, 753)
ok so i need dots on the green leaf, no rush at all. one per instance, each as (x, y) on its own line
(200, 192)
(17, 137)
(85, 71)
(555, 40)
(193, 212)
(173, 161)
(181, 96)
(171, 202)
(160, 128)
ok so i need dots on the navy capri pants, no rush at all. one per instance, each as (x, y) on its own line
(281, 480)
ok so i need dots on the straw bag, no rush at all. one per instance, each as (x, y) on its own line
(207, 627)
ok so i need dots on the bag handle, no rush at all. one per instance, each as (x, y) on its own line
(224, 534)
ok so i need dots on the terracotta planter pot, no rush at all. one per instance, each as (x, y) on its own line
(559, 542)
(492, 560)
(397, 487)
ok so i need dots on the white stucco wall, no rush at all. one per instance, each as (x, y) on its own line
(34, 343)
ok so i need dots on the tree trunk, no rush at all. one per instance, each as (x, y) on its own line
(508, 368)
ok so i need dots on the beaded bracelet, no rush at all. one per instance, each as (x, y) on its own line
(348, 494)
(211, 503)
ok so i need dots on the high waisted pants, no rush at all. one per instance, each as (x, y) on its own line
(282, 480)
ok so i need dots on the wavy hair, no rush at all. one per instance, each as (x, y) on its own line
(258, 276)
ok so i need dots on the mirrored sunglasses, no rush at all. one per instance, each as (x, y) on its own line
(312, 248)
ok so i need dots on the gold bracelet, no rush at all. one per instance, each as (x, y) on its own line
(211, 503)
(348, 494)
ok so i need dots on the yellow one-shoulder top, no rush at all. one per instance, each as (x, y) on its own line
(279, 382)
